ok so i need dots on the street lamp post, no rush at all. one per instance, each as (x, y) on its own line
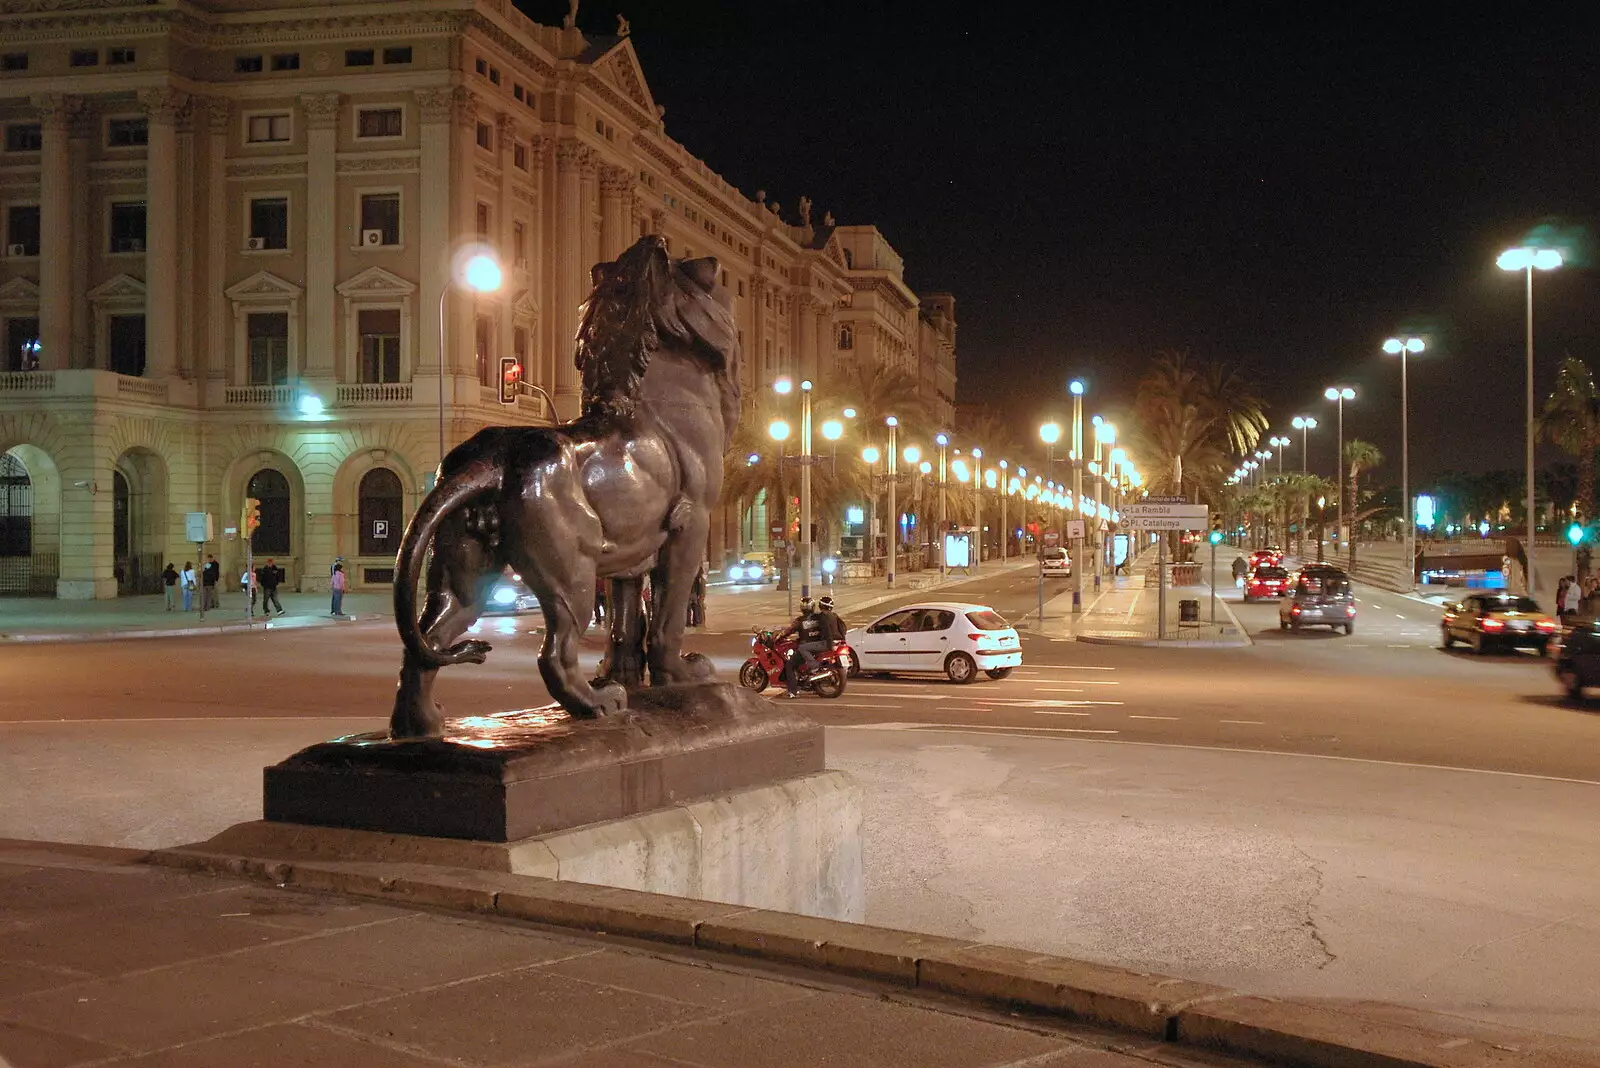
(1340, 394)
(1526, 260)
(942, 440)
(1005, 527)
(977, 506)
(806, 460)
(476, 270)
(778, 430)
(1105, 436)
(1077, 388)
(1279, 444)
(1403, 347)
(1050, 433)
(894, 515)
(1305, 424)
(870, 456)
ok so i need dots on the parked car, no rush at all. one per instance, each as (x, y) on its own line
(1497, 620)
(1576, 659)
(955, 639)
(1266, 581)
(1320, 597)
(1055, 563)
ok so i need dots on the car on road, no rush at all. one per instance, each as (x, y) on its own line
(1497, 620)
(508, 596)
(1575, 659)
(1266, 581)
(1320, 597)
(1268, 557)
(1055, 563)
(951, 638)
(753, 567)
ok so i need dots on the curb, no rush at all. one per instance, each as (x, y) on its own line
(1174, 1010)
(175, 632)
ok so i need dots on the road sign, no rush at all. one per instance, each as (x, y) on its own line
(198, 527)
(1075, 529)
(1137, 514)
(1166, 522)
(1163, 500)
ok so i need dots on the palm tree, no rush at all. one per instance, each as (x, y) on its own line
(1359, 456)
(1190, 417)
(1299, 491)
(1571, 420)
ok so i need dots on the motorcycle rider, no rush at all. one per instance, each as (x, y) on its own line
(811, 629)
(835, 625)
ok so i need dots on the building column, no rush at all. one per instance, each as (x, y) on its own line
(540, 349)
(86, 465)
(615, 185)
(216, 360)
(571, 273)
(437, 106)
(805, 310)
(161, 231)
(464, 197)
(505, 142)
(56, 113)
(80, 132)
(322, 148)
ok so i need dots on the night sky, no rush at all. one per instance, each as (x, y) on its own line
(1284, 190)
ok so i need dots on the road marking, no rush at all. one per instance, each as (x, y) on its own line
(1057, 689)
(1080, 682)
(1250, 722)
(1058, 712)
(1401, 646)
(1065, 667)
(1132, 716)
(1051, 703)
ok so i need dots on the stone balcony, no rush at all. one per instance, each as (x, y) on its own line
(33, 386)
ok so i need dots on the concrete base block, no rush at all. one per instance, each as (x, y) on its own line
(793, 846)
(88, 589)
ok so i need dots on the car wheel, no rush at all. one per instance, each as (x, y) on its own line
(998, 673)
(960, 668)
(855, 663)
(1570, 683)
(1445, 640)
(1478, 645)
(1349, 629)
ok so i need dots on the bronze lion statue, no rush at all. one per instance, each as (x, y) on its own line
(624, 490)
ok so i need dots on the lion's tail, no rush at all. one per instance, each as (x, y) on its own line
(452, 492)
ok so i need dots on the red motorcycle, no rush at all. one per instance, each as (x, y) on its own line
(765, 667)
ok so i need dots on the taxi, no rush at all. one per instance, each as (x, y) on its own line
(1496, 619)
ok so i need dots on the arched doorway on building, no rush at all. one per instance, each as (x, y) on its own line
(380, 519)
(275, 536)
(139, 522)
(30, 523)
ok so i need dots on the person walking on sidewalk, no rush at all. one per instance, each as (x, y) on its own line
(247, 585)
(268, 578)
(187, 580)
(336, 583)
(169, 579)
(210, 575)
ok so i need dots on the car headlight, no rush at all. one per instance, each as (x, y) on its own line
(504, 595)
(736, 573)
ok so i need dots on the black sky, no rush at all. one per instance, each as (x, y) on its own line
(1279, 188)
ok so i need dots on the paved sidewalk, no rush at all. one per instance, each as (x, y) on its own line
(113, 962)
(1125, 611)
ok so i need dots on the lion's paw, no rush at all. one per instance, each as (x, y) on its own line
(471, 652)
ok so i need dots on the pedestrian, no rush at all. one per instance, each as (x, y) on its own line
(599, 616)
(169, 579)
(247, 585)
(209, 576)
(187, 579)
(336, 583)
(697, 596)
(267, 578)
(1569, 597)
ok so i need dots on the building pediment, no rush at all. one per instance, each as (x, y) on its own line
(375, 282)
(263, 286)
(19, 291)
(525, 306)
(118, 287)
(619, 68)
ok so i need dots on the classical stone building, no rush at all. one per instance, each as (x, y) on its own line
(229, 235)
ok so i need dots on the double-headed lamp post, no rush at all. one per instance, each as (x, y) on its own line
(894, 515)
(476, 270)
(977, 506)
(1005, 527)
(870, 456)
(784, 386)
(1340, 394)
(1528, 260)
(942, 440)
(1305, 424)
(778, 430)
(1279, 443)
(1403, 347)
(1077, 388)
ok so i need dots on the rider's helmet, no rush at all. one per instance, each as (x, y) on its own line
(826, 604)
(805, 604)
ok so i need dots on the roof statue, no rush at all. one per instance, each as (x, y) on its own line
(623, 29)
(805, 211)
(571, 21)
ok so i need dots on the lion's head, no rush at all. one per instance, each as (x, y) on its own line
(645, 299)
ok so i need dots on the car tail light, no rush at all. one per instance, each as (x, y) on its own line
(1492, 624)
(1295, 610)
(975, 636)
(1349, 609)
(1546, 624)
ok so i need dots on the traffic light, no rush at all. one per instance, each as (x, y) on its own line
(1575, 534)
(250, 516)
(510, 379)
(1215, 537)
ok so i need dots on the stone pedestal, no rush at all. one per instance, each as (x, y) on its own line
(704, 791)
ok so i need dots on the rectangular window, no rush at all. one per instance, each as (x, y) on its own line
(519, 157)
(518, 92)
(247, 64)
(22, 229)
(84, 57)
(380, 345)
(119, 56)
(22, 345)
(380, 122)
(24, 137)
(519, 243)
(125, 339)
(269, 222)
(494, 75)
(485, 136)
(358, 57)
(381, 212)
(483, 220)
(14, 61)
(286, 61)
(265, 129)
(127, 227)
(269, 348)
(397, 55)
(127, 133)
(482, 332)
(519, 346)
(480, 66)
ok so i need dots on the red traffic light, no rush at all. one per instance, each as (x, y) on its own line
(510, 379)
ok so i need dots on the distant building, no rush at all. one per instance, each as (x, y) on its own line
(228, 232)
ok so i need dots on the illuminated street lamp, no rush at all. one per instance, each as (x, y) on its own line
(1340, 394)
(1304, 424)
(478, 271)
(894, 516)
(1077, 388)
(1528, 260)
(1403, 347)
(942, 440)
(977, 505)
(1105, 436)
(1280, 443)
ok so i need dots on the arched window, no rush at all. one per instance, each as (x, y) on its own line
(272, 537)
(847, 336)
(381, 501)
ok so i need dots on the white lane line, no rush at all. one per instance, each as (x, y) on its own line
(1058, 712)
(1080, 682)
(1401, 646)
(1031, 668)
(1172, 718)
(1397, 615)
(1249, 722)
(1052, 703)
(1058, 689)
(929, 695)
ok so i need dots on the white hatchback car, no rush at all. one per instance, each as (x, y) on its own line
(954, 639)
(1055, 564)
